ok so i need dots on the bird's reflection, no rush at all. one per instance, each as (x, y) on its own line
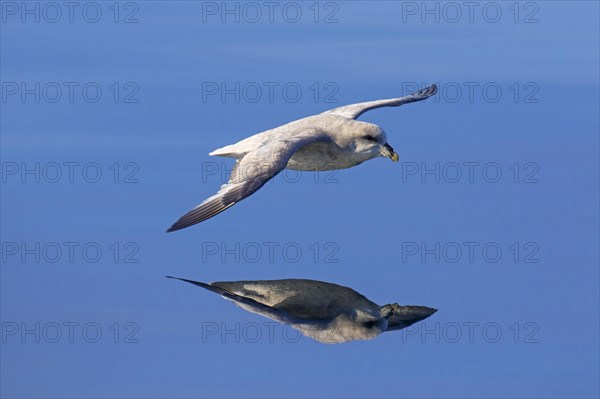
(326, 312)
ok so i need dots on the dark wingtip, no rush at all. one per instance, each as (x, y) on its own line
(434, 90)
(425, 92)
(174, 227)
(429, 91)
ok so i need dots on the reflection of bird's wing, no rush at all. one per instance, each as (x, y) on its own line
(306, 300)
(355, 110)
(249, 174)
(246, 303)
(405, 316)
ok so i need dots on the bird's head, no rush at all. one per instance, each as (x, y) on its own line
(368, 140)
(400, 317)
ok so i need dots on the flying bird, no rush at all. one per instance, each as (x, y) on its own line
(328, 313)
(331, 140)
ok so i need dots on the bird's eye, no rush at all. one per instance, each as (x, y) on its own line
(369, 138)
(369, 324)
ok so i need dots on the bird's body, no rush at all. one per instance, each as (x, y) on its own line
(317, 156)
(331, 140)
(326, 312)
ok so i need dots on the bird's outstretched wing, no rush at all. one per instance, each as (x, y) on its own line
(355, 110)
(244, 302)
(249, 174)
(302, 299)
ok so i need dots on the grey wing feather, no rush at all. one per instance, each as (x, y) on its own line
(250, 173)
(355, 110)
(301, 299)
(246, 303)
(225, 198)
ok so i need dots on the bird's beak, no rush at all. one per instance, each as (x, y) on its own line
(386, 150)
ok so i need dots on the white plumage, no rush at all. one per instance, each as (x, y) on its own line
(331, 140)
